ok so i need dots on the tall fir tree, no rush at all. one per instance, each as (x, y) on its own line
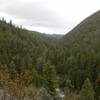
(49, 78)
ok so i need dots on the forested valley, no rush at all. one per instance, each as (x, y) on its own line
(37, 66)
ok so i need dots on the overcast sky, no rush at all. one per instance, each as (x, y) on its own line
(49, 16)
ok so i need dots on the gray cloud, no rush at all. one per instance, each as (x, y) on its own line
(35, 14)
(57, 16)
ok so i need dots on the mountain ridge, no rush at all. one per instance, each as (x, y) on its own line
(87, 26)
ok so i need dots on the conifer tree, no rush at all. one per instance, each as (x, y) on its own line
(49, 78)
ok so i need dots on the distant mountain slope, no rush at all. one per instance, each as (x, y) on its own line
(20, 46)
(81, 51)
(86, 33)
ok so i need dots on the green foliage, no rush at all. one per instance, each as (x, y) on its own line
(49, 78)
(87, 92)
(75, 56)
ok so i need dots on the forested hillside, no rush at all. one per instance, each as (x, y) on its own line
(82, 46)
(31, 62)
(23, 54)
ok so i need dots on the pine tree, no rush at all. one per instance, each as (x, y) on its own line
(49, 78)
(10, 22)
(87, 92)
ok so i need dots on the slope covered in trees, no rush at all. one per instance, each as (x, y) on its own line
(23, 54)
(86, 33)
(82, 46)
(30, 58)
